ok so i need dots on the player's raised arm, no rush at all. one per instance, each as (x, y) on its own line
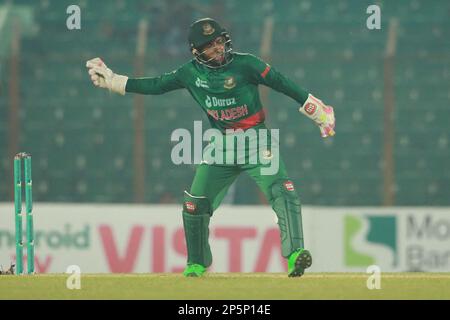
(104, 77)
(310, 106)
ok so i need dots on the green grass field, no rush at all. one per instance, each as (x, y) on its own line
(227, 286)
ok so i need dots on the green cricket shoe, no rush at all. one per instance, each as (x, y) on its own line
(298, 261)
(194, 270)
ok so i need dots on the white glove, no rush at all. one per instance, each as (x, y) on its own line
(321, 114)
(103, 77)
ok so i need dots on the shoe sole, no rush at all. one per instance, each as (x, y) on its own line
(303, 261)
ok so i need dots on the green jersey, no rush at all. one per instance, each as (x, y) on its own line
(229, 95)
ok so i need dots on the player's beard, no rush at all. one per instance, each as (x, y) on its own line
(217, 60)
(220, 58)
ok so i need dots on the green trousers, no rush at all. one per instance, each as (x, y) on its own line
(213, 181)
(209, 187)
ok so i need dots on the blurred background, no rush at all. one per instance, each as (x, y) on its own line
(95, 154)
(390, 89)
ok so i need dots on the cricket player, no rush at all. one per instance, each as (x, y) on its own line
(225, 85)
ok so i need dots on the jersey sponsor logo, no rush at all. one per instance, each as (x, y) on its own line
(230, 83)
(190, 206)
(207, 29)
(229, 114)
(216, 102)
(310, 108)
(201, 83)
(289, 185)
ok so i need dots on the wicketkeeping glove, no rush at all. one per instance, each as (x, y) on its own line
(321, 114)
(104, 77)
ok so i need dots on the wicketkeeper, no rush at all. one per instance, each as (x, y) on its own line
(216, 73)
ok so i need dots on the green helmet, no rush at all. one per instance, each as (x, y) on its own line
(204, 31)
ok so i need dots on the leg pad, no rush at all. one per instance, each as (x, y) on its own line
(286, 204)
(197, 212)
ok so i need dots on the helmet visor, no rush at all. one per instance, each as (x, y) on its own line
(215, 53)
